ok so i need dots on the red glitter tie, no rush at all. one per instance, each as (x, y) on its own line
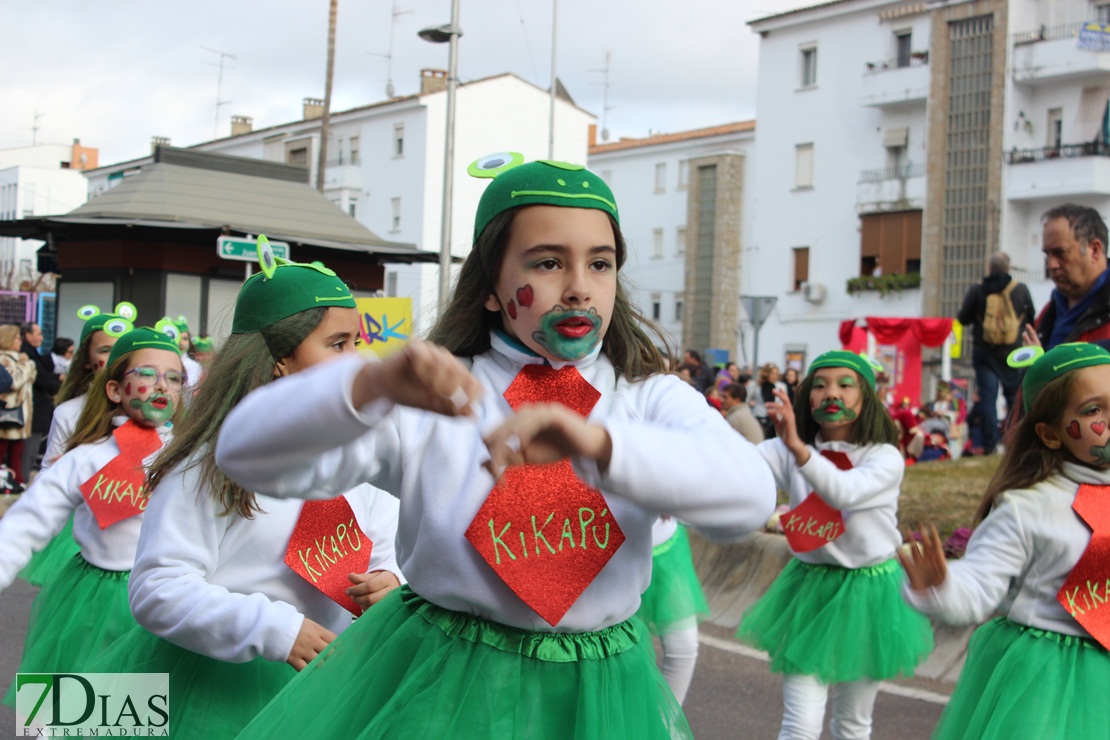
(813, 523)
(543, 531)
(117, 491)
(326, 545)
(1086, 592)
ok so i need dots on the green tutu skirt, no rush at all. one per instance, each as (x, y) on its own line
(208, 697)
(408, 668)
(674, 599)
(52, 558)
(839, 624)
(74, 619)
(1020, 681)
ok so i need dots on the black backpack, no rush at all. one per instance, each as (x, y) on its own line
(5, 380)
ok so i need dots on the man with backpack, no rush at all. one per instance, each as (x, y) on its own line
(997, 309)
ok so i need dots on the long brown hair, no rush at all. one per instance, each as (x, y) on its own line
(95, 421)
(1027, 460)
(243, 363)
(80, 373)
(464, 326)
(874, 425)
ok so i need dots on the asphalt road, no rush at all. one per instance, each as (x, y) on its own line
(733, 695)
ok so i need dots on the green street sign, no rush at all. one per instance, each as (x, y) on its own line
(244, 250)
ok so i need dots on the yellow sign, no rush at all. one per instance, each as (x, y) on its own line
(956, 348)
(385, 323)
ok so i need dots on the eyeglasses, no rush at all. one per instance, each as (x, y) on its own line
(173, 378)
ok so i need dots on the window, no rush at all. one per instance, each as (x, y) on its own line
(399, 140)
(803, 166)
(902, 48)
(801, 266)
(680, 241)
(354, 150)
(352, 207)
(683, 174)
(678, 310)
(892, 240)
(395, 220)
(298, 156)
(656, 243)
(339, 151)
(1055, 128)
(661, 177)
(809, 66)
(656, 306)
(390, 284)
(1103, 12)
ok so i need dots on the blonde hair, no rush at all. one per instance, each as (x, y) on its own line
(8, 335)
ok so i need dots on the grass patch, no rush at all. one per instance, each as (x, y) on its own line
(944, 492)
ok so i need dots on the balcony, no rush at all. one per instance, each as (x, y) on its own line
(895, 82)
(891, 189)
(1058, 173)
(343, 174)
(1050, 55)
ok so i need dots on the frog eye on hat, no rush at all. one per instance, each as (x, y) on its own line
(266, 259)
(493, 165)
(1024, 356)
(87, 311)
(117, 327)
(168, 327)
(127, 310)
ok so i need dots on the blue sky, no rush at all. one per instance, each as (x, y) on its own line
(115, 73)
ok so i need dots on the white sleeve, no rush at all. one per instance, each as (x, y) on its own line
(61, 429)
(40, 513)
(873, 482)
(998, 552)
(377, 513)
(170, 596)
(683, 459)
(780, 459)
(315, 443)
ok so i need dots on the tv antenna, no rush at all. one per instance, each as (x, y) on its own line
(605, 107)
(35, 127)
(219, 84)
(390, 91)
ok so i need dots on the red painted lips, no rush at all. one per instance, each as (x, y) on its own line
(575, 327)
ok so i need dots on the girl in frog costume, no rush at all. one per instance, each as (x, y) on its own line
(532, 445)
(834, 617)
(125, 421)
(232, 586)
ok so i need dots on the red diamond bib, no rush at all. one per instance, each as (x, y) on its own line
(1086, 592)
(543, 531)
(326, 545)
(813, 523)
(117, 491)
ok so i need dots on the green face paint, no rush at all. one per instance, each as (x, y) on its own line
(833, 411)
(157, 409)
(567, 334)
(1101, 455)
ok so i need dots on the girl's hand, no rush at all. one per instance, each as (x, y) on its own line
(925, 565)
(544, 433)
(1029, 336)
(786, 426)
(310, 642)
(423, 376)
(370, 588)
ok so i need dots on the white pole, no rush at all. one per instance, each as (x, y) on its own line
(449, 161)
(551, 114)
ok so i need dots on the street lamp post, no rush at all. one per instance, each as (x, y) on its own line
(438, 35)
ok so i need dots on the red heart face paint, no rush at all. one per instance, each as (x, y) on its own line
(127, 389)
(511, 308)
(1098, 427)
(524, 296)
(1073, 430)
(1086, 419)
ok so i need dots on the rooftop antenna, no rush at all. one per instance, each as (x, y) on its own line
(605, 107)
(389, 89)
(35, 128)
(219, 85)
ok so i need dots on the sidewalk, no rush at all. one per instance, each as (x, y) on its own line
(734, 576)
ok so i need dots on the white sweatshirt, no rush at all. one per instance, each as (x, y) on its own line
(219, 586)
(1018, 558)
(866, 495)
(62, 425)
(671, 453)
(42, 511)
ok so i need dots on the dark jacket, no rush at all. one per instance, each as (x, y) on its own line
(1093, 324)
(46, 386)
(975, 306)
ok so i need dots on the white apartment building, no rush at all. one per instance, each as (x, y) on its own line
(385, 161)
(36, 181)
(651, 180)
(916, 136)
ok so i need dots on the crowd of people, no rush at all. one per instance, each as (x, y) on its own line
(478, 535)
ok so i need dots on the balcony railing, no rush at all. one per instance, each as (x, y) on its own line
(904, 172)
(1091, 149)
(1047, 33)
(913, 59)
